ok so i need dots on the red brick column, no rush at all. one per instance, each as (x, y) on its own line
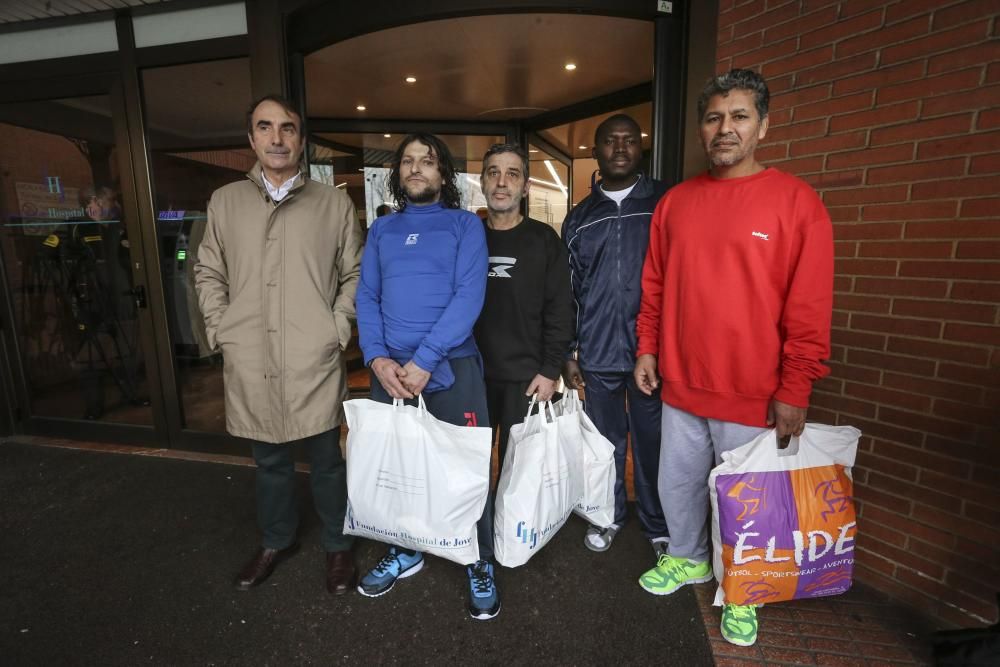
(891, 110)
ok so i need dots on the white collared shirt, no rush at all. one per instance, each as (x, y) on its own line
(280, 192)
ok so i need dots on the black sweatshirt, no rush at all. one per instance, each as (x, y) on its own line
(526, 324)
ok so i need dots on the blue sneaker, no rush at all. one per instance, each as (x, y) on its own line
(395, 564)
(484, 599)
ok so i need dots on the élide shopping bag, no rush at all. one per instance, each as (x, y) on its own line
(783, 521)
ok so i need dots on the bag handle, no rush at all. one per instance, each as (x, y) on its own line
(546, 405)
(571, 401)
(400, 402)
(789, 447)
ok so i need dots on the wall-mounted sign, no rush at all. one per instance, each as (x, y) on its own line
(41, 208)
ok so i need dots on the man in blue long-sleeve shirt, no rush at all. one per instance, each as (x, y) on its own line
(423, 281)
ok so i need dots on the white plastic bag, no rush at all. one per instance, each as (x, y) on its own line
(541, 483)
(783, 520)
(598, 503)
(415, 481)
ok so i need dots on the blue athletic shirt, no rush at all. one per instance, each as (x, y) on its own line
(423, 281)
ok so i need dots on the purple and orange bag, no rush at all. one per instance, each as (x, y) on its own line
(783, 521)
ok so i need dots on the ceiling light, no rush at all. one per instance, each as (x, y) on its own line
(570, 66)
(341, 185)
(361, 107)
(644, 135)
(387, 136)
(555, 176)
(532, 150)
(583, 148)
(411, 79)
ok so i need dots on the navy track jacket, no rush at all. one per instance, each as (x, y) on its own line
(607, 247)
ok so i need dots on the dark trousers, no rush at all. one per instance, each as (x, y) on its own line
(462, 404)
(617, 408)
(507, 405)
(277, 508)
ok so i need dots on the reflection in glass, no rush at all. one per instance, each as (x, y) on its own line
(198, 143)
(548, 198)
(66, 253)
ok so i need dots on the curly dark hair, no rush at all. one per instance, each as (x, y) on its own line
(450, 196)
(736, 79)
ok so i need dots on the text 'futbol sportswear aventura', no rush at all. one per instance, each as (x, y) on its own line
(737, 294)
(423, 280)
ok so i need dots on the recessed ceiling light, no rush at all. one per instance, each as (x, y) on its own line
(644, 135)
(387, 136)
(532, 150)
(361, 107)
(583, 148)
(411, 79)
(570, 66)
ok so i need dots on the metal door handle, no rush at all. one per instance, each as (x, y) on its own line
(139, 296)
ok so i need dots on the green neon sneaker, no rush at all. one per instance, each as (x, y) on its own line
(671, 573)
(739, 624)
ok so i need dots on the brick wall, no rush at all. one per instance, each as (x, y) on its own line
(891, 110)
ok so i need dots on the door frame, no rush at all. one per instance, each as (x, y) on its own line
(60, 87)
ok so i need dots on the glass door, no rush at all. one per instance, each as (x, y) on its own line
(196, 136)
(70, 246)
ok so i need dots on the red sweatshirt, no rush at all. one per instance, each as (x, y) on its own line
(737, 294)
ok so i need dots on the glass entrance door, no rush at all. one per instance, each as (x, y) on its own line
(74, 277)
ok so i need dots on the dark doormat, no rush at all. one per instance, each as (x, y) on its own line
(125, 560)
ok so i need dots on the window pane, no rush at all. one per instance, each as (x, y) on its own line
(548, 197)
(198, 143)
(66, 252)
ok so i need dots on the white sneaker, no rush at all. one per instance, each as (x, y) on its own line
(600, 539)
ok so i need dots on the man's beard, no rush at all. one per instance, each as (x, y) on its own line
(727, 158)
(425, 195)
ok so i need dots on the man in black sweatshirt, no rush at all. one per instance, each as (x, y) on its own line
(526, 324)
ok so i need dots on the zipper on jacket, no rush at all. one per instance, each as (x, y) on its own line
(618, 261)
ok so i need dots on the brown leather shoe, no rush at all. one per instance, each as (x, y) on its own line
(262, 565)
(341, 575)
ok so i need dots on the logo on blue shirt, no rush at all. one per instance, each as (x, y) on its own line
(411, 239)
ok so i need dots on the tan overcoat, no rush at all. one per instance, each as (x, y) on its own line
(276, 285)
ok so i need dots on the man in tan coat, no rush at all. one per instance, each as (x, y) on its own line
(276, 277)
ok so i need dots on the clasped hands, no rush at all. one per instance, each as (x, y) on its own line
(400, 381)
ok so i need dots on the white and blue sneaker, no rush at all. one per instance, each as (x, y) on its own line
(395, 564)
(484, 599)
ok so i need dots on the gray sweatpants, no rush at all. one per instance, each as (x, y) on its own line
(690, 447)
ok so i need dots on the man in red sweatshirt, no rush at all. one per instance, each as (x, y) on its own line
(737, 293)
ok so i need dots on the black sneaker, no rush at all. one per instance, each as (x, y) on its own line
(484, 599)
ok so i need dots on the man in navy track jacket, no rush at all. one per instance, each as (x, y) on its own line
(606, 236)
